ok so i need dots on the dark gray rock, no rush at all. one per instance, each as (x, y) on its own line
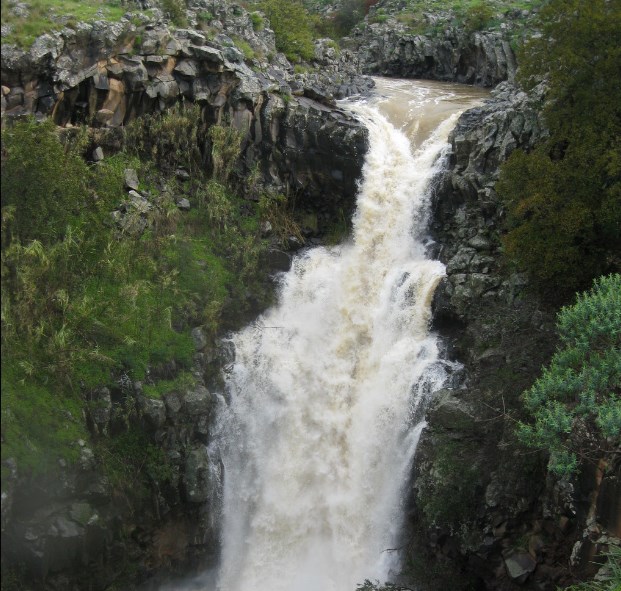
(184, 204)
(200, 338)
(198, 401)
(197, 475)
(153, 411)
(100, 410)
(484, 58)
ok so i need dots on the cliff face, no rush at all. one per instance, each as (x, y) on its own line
(106, 75)
(483, 58)
(481, 504)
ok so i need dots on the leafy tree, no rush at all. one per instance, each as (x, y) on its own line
(292, 27)
(576, 403)
(350, 13)
(564, 198)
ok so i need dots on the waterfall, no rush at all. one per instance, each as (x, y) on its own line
(328, 388)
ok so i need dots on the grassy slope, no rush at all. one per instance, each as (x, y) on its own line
(93, 307)
(47, 15)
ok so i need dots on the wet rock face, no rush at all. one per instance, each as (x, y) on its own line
(77, 529)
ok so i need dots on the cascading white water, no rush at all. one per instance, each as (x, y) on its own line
(327, 387)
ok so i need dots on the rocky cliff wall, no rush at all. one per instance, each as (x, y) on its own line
(484, 512)
(483, 58)
(108, 74)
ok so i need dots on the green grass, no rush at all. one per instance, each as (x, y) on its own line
(182, 381)
(468, 15)
(50, 15)
(244, 47)
(83, 304)
(39, 426)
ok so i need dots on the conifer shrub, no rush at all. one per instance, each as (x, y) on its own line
(576, 403)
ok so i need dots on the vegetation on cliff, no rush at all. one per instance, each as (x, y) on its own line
(293, 28)
(29, 20)
(86, 303)
(576, 403)
(564, 198)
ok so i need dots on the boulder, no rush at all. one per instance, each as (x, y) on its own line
(519, 564)
(198, 475)
(198, 401)
(131, 179)
(183, 204)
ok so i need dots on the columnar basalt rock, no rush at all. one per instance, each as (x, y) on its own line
(478, 499)
(483, 58)
(106, 75)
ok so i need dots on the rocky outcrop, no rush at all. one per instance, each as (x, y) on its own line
(467, 44)
(480, 502)
(484, 58)
(108, 74)
(84, 527)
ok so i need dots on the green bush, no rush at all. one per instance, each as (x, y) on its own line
(257, 21)
(43, 182)
(171, 139)
(564, 198)
(292, 27)
(225, 150)
(349, 14)
(134, 463)
(478, 16)
(176, 11)
(576, 403)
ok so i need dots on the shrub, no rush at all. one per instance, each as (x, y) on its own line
(245, 48)
(257, 21)
(478, 17)
(563, 199)
(43, 182)
(350, 13)
(176, 11)
(205, 16)
(171, 140)
(576, 403)
(276, 210)
(292, 27)
(225, 150)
